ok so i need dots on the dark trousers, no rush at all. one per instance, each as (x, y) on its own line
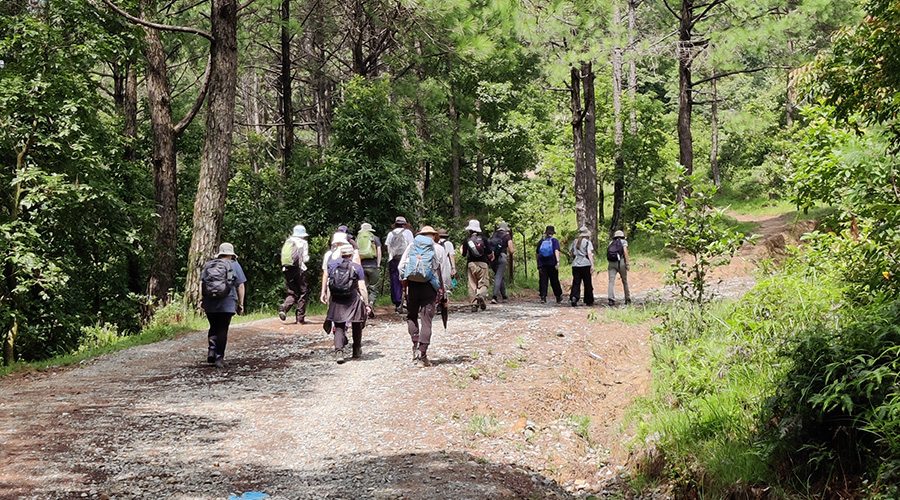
(340, 337)
(421, 306)
(297, 291)
(582, 275)
(396, 285)
(551, 274)
(218, 331)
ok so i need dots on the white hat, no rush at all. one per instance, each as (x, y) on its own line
(300, 231)
(339, 238)
(584, 231)
(226, 249)
(346, 250)
(365, 227)
(474, 226)
(619, 234)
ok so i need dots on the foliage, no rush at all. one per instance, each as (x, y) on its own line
(694, 227)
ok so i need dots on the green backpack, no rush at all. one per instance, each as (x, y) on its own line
(366, 242)
(287, 251)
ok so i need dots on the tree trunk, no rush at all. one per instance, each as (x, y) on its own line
(422, 135)
(618, 134)
(578, 148)
(130, 108)
(454, 154)
(789, 93)
(714, 140)
(287, 106)
(590, 151)
(685, 97)
(163, 159)
(632, 65)
(215, 165)
(479, 146)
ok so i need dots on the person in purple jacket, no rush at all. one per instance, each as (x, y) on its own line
(548, 265)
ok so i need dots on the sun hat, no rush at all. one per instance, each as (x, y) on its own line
(550, 230)
(503, 227)
(366, 227)
(226, 249)
(346, 250)
(339, 239)
(428, 230)
(584, 231)
(619, 234)
(474, 226)
(442, 232)
(400, 221)
(300, 231)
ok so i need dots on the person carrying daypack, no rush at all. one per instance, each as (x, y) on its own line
(294, 256)
(425, 268)
(582, 251)
(344, 290)
(548, 265)
(370, 255)
(222, 296)
(397, 240)
(479, 254)
(502, 243)
(619, 263)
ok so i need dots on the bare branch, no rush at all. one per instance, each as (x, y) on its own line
(201, 96)
(249, 3)
(164, 27)
(736, 72)
(709, 6)
(666, 2)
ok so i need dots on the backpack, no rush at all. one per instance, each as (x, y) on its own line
(366, 244)
(546, 248)
(615, 251)
(287, 253)
(420, 267)
(342, 280)
(398, 242)
(476, 246)
(497, 244)
(218, 279)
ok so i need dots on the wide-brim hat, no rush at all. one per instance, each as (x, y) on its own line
(339, 238)
(550, 230)
(619, 234)
(442, 232)
(584, 231)
(428, 230)
(503, 227)
(474, 226)
(400, 221)
(226, 249)
(300, 231)
(366, 227)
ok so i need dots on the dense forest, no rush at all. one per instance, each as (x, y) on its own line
(136, 135)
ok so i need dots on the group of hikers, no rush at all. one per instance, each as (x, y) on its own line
(422, 271)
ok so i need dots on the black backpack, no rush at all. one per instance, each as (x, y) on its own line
(218, 278)
(342, 280)
(615, 251)
(497, 245)
(476, 246)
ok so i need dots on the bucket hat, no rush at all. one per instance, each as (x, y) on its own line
(343, 229)
(226, 249)
(339, 239)
(300, 231)
(442, 232)
(366, 227)
(503, 227)
(474, 226)
(428, 230)
(550, 230)
(619, 234)
(584, 231)
(400, 221)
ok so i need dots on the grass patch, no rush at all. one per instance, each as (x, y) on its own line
(581, 424)
(637, 315)
(483, 425)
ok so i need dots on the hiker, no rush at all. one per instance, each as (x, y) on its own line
(478, 254)
(502, 243)
(425, 269)
(344, 290)
(222, 290)
(444, 240)
(397, 240)
(617, 256)
(369, 247)
(294, 256)
(344, 229)
(548, 264)
(582, 252)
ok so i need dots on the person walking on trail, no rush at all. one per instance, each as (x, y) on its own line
(478, 253)
(617, 256)
(294, 256)
(370, 257)
(397, 240)
(502, 243)
(548, 265)
(344, 290)
(352, 242)
(444, 241)
(222, 296)
(582, 252)
(425, 269)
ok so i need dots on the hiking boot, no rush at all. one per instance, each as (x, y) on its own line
(574, 302)
(612, 302)
(357, 351)
(627, 302)
(415, 353)
(482, 304)
(211, 355)
(543, 300)
(475, 306)
(339, 356)
(281, 315)
(493, 300)
(558, 299)
(505, 298)
(424, 361)
(220, 362)
(398, 309)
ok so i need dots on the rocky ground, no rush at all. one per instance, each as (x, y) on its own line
(525, 400)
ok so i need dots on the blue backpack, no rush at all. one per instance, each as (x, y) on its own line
(546, 248)
(420, 267)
